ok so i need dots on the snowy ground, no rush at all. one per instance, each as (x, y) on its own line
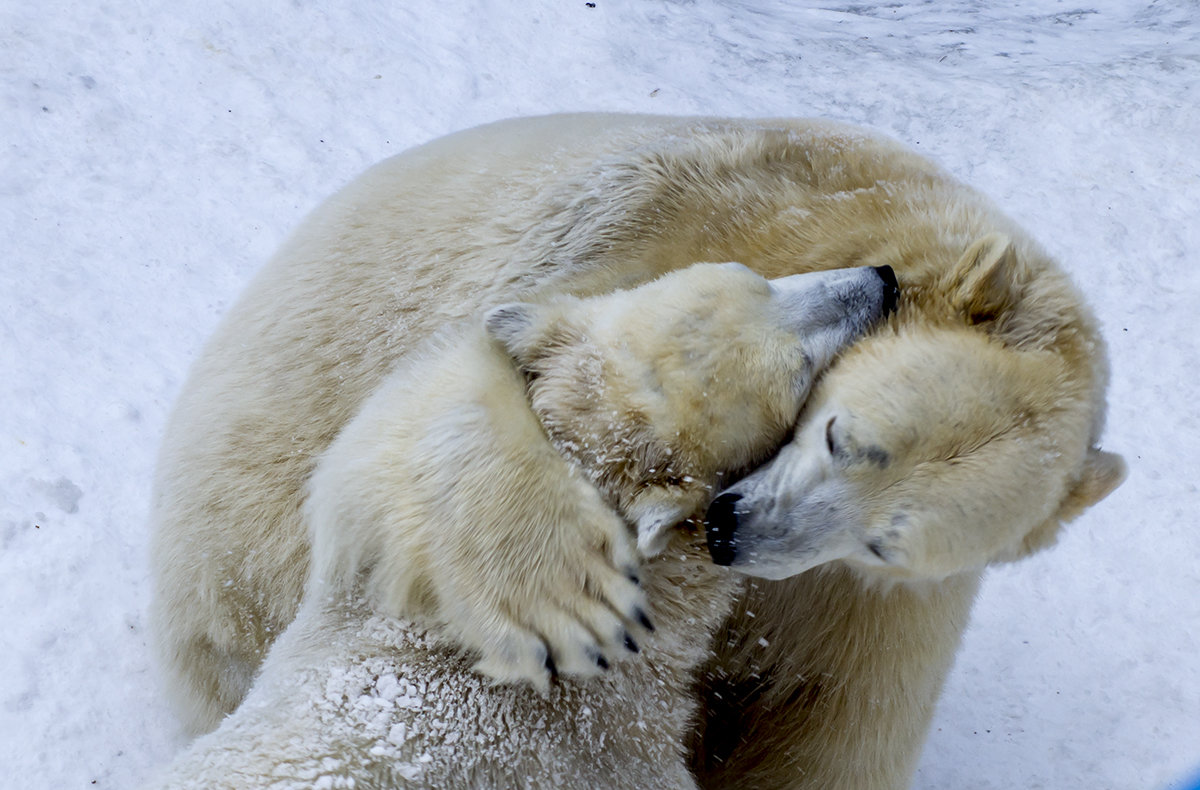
(153, 154)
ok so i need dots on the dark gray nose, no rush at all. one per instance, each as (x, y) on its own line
(891, 288)
(720, 526)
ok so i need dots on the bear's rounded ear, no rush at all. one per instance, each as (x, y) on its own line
(1102, 473)
(988, 279)
(514, 326)
(653, 520)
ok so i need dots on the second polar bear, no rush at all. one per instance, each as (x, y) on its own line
(525, 441)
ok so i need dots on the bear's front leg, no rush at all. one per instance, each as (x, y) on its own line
(447, 504)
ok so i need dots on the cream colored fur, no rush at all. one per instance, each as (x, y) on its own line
(825, 686)
(445, 501)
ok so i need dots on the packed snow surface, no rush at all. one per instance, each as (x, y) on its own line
(153, 154)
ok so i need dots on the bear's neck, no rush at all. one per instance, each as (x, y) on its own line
(827, 645)
(689, 598)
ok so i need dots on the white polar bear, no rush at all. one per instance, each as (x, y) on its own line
(490, 458)
(826, 679)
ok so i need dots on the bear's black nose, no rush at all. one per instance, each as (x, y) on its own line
(720, 526)
(891, 288)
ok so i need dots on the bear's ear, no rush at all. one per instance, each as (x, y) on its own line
(517, 327)
(653, 521)
(1102, 473)
(987, 280)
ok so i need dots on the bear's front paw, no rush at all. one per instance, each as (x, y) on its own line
(569, 605)
(572, 634)
(575, 635)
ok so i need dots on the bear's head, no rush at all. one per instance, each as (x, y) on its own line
(934, 446)
(656, 391)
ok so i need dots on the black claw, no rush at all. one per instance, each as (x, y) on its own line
(641, 617)
(553, 670)
(631, 645)
(595, 654)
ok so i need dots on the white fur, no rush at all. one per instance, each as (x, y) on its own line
(349, 698)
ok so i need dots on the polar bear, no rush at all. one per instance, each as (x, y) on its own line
(825, 679)
(882, 512)
(525, 439)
